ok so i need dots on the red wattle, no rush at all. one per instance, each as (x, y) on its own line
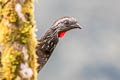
(61, 34)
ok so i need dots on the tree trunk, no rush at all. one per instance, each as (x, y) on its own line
(17, 38)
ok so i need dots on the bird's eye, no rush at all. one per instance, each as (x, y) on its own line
(67, 22)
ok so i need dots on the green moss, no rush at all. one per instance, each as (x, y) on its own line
(11, 60)
(14, 29)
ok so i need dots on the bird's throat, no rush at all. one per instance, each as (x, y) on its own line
(61, 34)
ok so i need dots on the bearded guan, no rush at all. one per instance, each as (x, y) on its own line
(50, 39)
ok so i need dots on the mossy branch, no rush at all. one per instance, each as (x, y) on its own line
(18, 40)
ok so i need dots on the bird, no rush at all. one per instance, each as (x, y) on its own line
(48, 42)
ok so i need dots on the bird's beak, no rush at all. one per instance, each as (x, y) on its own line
(73, 26)
(76, 25)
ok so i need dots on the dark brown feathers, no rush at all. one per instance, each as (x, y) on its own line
(45, 48)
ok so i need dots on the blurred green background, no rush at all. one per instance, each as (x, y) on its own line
(89, 54)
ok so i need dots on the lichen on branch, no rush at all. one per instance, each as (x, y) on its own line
(18, 40)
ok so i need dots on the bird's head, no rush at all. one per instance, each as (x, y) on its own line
(65, 24)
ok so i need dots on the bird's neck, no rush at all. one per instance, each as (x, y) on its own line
(49, 41)
(46, 45)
